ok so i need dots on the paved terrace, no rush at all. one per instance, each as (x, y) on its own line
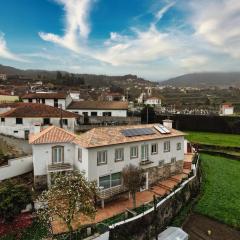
(120, 205)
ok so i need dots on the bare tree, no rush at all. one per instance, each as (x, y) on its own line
(132, 180)
(69, 195)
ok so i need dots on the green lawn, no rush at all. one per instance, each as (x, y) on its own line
(218, 139)
(221, 189)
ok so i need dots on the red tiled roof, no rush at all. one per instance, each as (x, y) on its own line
(104, 136)
(52, 134)
(98, 137)
(44, 96)
(35, 110)
(114, 105)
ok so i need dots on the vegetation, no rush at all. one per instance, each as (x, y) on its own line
(70, 194)
(217, 139)
(13, 199)
(221, 191)
(132, 180)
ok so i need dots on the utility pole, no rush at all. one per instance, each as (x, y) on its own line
(147, 114)
(61, 123)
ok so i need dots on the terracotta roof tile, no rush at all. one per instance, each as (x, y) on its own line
(104, 136)
(114, 105)
(98, 137)
(45, 95)
(52, 134)
(35, 110)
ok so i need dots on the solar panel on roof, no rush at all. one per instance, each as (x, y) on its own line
(137, 132)
(161, 129)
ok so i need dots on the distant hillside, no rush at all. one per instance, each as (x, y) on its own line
(204, 80)
(66, 78)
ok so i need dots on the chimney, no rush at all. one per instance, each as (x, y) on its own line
(36, 128)
(168, 123)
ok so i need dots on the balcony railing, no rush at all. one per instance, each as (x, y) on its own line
(110, 192)
(59, 167)
(145, 162)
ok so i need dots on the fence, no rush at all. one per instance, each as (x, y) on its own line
(15, 167)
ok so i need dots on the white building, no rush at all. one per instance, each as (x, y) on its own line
(49, 98)
(3, 76)
(102, 153)
(20, 119)
(99, 108)
(226, 109)
(115, 97)
(152, 101)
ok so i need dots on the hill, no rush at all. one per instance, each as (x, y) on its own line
(205, 80)
(66, 78)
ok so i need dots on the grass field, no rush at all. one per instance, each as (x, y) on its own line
(221, 189)
(218, 139)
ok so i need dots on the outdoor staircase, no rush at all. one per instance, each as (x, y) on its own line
(187, 165)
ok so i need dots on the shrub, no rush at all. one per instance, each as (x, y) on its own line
(13, 199)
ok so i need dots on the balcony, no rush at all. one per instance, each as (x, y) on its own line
(110, 192)
(145, 162)
(60, 167)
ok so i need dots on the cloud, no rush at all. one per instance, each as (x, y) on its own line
(217, 23)
(5, 52)
(193, 61)
(139, 47)
(76, 24)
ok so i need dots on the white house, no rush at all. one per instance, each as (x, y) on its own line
(3, 76)
(99, 108)
(49, 98)
(226, 109)
(115, 97)
(152, 101)
(20, 119)
(102, 153)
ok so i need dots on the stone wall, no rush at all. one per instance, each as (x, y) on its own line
(160, 173)
(40, 182)
(151, 224)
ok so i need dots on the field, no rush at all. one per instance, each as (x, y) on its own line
(220, 196)
(217, 139)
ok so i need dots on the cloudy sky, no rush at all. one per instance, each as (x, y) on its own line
(155, 39)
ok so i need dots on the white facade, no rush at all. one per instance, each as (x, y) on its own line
(100, 113)
(9, 126)
(153, 101)
(49, 102)
(3, 76)
(226, 110)
(42, 156)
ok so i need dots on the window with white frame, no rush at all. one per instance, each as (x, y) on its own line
(173, 160)
(134, 152)
(119, 154)
(167, 146)
(154, 148)
(144, 152)
(79, 154)
(179, 146)
(57, 154)
(111, 180)
(102, 157)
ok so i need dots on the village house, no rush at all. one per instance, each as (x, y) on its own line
(153, 101)
(102, 153)
(99, 108)
(226, 109)
(21, 119)
(3, 76)
(49, 98)
(114, 97)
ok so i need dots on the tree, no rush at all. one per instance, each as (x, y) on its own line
(13, 199)
(69, 195)
(132, 180)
